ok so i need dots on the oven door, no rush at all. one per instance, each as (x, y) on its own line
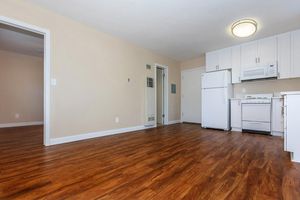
(256, 116)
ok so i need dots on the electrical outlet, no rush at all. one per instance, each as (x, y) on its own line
(117, 120)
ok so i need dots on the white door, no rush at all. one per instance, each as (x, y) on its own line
(284, 55)
(225, 58)
(277, 115)
(212, 61)
(267, 51)
(295, 54)
(249, 55)
(150, 108)
(215, 108)
(191, 95)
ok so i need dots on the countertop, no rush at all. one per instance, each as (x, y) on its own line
(290, 93)
(277, 97)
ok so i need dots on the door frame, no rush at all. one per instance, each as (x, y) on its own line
(181, 96)
(165, 91)
(47, 71)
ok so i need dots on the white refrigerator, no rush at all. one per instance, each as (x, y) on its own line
(216, 94)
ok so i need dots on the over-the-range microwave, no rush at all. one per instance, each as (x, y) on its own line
(262, 72)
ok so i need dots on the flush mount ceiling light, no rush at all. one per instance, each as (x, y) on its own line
(244, 28)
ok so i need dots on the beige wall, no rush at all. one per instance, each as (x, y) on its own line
(92, 69)
(193, 63)
(21, 88)
(266, 86)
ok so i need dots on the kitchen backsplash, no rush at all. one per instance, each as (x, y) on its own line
(266, 86)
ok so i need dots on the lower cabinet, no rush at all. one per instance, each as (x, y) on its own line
(292, 125)
(277, 116)
(236, 114)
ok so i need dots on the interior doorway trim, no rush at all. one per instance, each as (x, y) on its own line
(46, 34)
(166, 93)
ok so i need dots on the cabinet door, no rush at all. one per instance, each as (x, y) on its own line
(212, 61)
(277, 115)
(295, 72)
(284, 55)
(236, 112)
(267, 51)
(236, 64)
(292, 118)
(249, 55)
(225, 58)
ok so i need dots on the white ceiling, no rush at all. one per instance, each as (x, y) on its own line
(21, 41)
(180, 29)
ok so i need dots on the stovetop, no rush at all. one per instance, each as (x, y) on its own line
(257, 98)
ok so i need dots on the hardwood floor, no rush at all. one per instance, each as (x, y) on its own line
(180, 161)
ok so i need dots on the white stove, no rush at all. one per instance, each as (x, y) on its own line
(256, 113)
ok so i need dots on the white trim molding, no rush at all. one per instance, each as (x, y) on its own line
(47, 70)
(166, 91)
(236, 129)
(18, 124)
(174, 122)
(74, 138)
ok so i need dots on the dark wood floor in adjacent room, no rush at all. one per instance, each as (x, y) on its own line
(179, 161)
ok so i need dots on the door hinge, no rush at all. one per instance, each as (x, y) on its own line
(163, 115)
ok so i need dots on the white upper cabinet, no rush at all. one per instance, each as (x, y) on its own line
(212, 61)
(236, 64)
(225, 58)
(267, 51)
(281, 50)
(259, 53)
(295, 52)
(218, 60)
(249, 55)
(284, 55)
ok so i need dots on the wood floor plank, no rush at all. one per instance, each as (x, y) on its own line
(181, 161)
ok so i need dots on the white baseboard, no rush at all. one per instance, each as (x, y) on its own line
(85, 136)
(295, 157)
(236, 129)
(18, 124)
(174, 122)
(275, 133)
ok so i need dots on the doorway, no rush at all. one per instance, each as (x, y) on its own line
(160, 96)
(161, 93)
(20, 39)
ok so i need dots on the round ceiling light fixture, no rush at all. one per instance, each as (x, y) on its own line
(244, 28)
